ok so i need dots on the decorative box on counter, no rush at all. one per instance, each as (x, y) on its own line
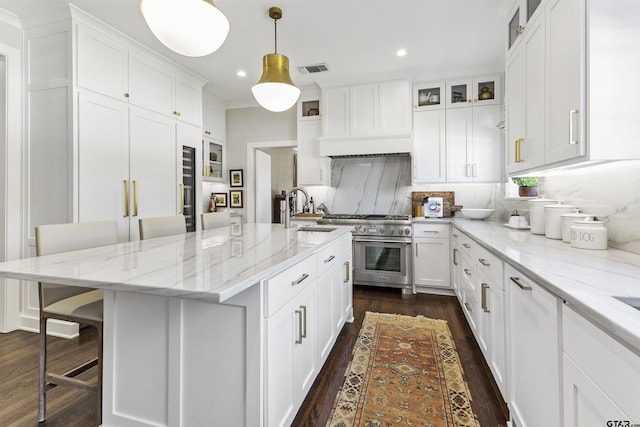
(448, 199)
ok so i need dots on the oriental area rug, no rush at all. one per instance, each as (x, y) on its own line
(405, 371)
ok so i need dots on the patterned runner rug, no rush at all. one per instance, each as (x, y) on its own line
(405, 372)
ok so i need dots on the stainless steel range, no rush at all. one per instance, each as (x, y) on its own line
(381, 249)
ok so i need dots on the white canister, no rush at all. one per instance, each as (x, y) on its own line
(536, 214)
(589, 234)
(552, 222)
(567, 221)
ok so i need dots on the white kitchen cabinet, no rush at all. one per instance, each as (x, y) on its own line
(485, 90)
(214, 118)
(329, 299)
(429, 145)
(521, 12)
(601, 378)
(430, 257)
(525, 100)
(428, 96)
(533, 361)
(106, 64)
(366, 118)
(313, 169)
(474, 150)
(456, 264)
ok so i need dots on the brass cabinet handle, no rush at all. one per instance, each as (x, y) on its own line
(304, 328)
(135, 198)
(206, 132)
(516, 280)
(466, 245)
(300, 280)
(347, 272)
(181, 198)
(484, 262)
(331, 258)
(468, 307)
(455, 256)
(455, 235)
(484, 298)
(520, 30)
(518, 150)
(416, 249)
(126, 198)
(299, 314)
(467, 272)
(126, 95)
(572, 141)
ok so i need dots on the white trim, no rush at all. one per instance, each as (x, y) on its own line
(250, 197)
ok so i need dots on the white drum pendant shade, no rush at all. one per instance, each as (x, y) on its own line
(188, 27)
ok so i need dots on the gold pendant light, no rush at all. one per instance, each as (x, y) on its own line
(275, 90)
(188, 27)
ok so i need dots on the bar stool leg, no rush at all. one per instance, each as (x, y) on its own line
(42, 390)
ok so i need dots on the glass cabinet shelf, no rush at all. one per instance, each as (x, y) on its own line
(212, 167)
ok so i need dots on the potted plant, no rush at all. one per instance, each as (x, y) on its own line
(528, 185)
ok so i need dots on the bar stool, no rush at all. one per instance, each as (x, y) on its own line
(211, 220)
(162, 226)
(71, 303)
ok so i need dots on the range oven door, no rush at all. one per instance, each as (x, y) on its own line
(382, 262)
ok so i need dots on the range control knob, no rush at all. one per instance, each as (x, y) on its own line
(407, 231)
(381, 230)
(362, 228)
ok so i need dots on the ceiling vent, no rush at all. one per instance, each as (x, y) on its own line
(310, 69)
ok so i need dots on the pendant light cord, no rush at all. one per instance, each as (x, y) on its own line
(275, 34)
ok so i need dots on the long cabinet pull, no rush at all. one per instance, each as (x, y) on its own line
(126, 198)
(468, 169)
(522, 286)
(474, 170)
(455, 256)
(331, 258)
(467, 272)
(135, 198)
(304, 314)
(416, 249)
(572, 140)
(347, 272)
(181, 198)
(299, 314)
(518, 150)
(300, 280)
(484, 262)
(484, 298)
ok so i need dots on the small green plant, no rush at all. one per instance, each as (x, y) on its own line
(525, 181)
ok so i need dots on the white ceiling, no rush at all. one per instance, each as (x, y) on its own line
(357, 39)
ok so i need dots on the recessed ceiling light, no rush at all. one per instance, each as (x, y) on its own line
(241, 73)
(401, 52)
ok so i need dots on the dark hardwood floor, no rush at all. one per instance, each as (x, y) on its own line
(487, 405)
(70, 408)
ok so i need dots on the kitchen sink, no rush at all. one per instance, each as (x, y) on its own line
(631, 301)
(317, 229)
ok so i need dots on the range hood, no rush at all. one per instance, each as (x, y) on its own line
(357, 156)
(366, 146)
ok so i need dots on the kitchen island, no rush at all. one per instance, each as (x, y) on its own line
(221, 327)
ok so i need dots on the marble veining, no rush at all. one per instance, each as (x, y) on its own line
(212, 265)
(586, 279)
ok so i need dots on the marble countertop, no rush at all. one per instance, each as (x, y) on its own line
(212, 265)
(586, 279)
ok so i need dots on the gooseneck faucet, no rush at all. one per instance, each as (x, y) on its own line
(287, 215)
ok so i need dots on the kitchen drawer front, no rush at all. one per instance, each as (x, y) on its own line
(438, 231)
(329, 256)
(610, 365)
(491, 266)
(469, 280)
(282, 287)
(467, 245)
(470, 309)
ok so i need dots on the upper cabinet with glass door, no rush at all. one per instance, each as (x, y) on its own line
(486, 90)
(428, 96)
(520, 14)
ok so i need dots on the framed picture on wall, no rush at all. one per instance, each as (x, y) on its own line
(235, 197)
(221, 200)
(235, 178)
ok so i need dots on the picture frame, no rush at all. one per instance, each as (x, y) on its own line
(236, 178)
(221, 200)
(235, 198)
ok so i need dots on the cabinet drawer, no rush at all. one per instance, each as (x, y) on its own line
(491, 266)
(282, 287)
(440, 231)
(467, 245)
(329, 256)
(469, 274)
(611, 366)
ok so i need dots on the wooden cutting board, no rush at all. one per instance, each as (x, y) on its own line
(448, 200)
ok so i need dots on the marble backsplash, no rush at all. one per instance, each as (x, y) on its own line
(382, 185)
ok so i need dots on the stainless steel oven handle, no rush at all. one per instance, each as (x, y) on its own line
(359, 240)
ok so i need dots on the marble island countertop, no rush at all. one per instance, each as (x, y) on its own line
(588, 280)
(211, 265)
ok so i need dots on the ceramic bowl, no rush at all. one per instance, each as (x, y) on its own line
(477, 213)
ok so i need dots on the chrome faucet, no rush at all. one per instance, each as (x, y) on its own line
(287, 215)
